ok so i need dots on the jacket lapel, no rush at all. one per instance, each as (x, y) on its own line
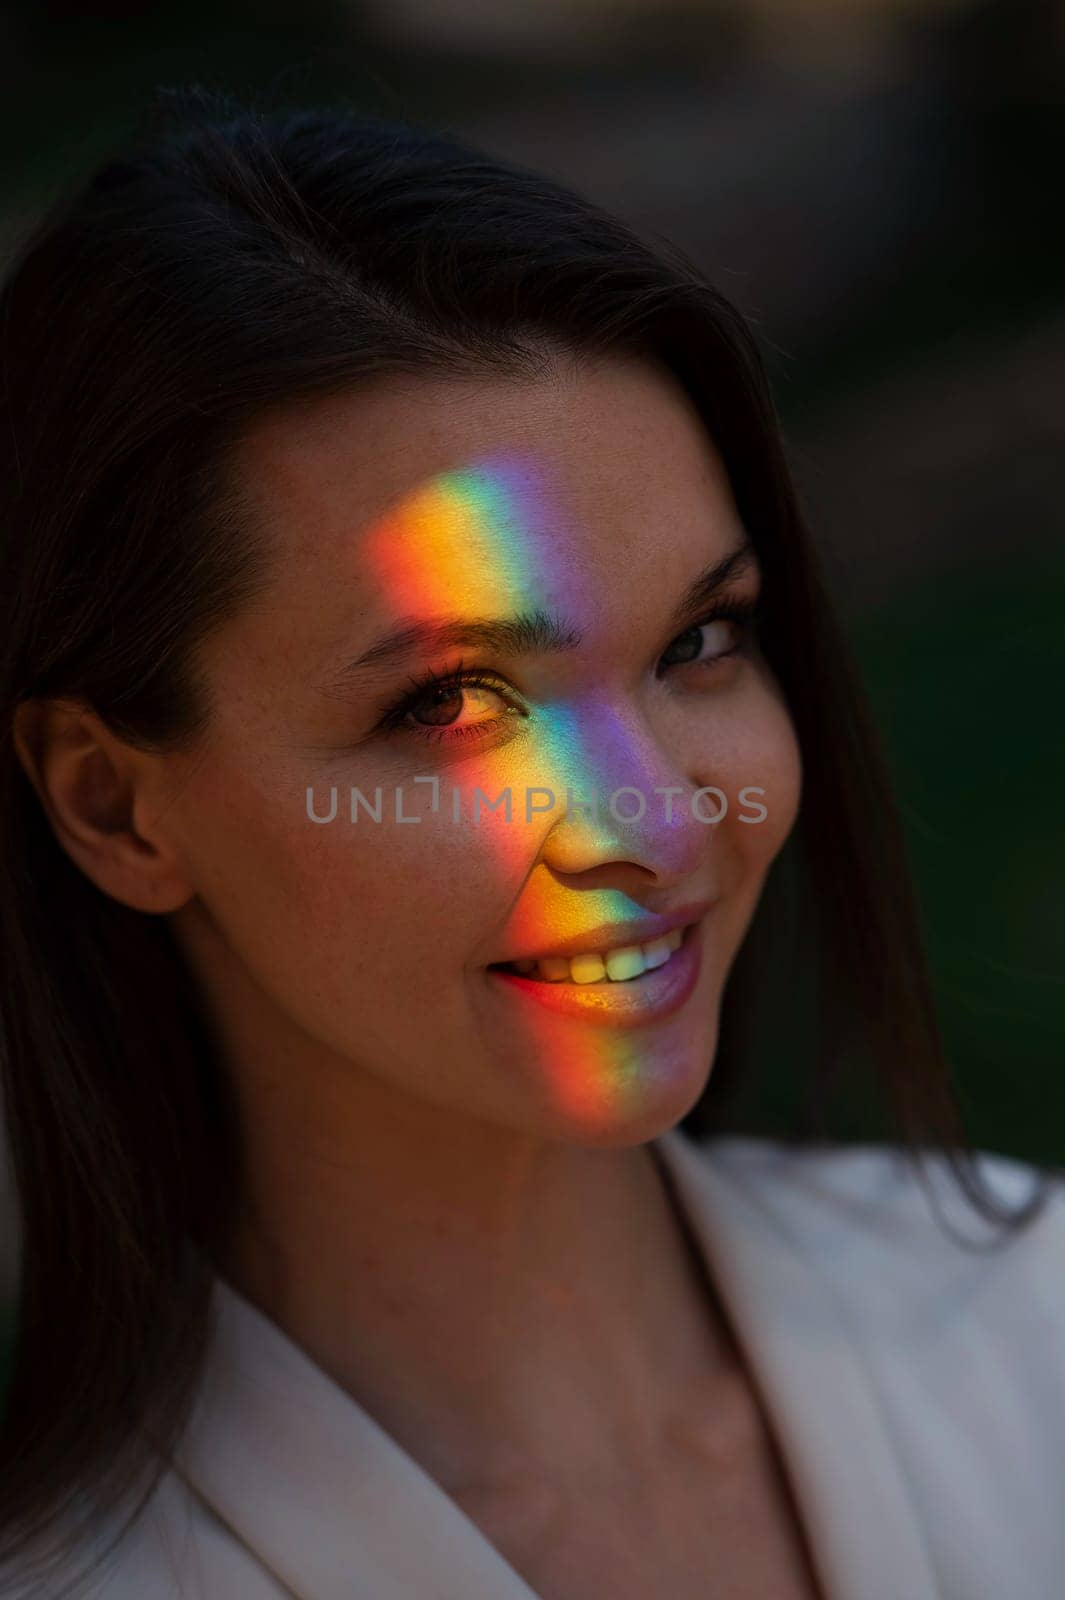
(322, 1495)
(808, 1367)
(332, 1505)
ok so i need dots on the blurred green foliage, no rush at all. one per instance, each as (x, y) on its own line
(966, 671)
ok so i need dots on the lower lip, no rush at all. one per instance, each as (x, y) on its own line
(633, 1003)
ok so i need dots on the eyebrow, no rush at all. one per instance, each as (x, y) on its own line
(529, 633)
(736, 564)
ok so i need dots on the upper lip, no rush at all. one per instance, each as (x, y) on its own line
(615, 935)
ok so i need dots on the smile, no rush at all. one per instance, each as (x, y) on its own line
(660, 986)
(620, 965)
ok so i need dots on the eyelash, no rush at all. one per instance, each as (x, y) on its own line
(743, 613)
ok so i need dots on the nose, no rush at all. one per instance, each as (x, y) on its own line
(642, 814)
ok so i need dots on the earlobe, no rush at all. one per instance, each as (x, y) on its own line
(87, 782)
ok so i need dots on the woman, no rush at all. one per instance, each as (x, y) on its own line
(417, 677)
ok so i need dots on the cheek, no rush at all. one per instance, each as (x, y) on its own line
(338, 919)
(758, 766)
(409, 900)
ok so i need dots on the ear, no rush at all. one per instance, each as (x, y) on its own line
(98, 793)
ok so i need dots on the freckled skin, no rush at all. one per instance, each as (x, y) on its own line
(447, 1199)
(338, 951)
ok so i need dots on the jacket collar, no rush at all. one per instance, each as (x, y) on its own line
(807, 1363)
(305, 1477)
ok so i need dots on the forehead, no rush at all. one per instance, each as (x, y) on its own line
(420, 496)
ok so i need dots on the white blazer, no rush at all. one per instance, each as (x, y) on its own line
(916, 1389)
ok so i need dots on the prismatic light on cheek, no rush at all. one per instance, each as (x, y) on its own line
(483, 542)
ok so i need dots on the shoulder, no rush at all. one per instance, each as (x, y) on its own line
(840, 1184)
(176, 1549)
(958, 1320)
(879, 1223)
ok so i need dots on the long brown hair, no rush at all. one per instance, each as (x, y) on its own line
(226, 259)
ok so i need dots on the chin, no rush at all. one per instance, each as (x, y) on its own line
(618, 1102)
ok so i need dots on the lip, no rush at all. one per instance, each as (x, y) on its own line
(635, 1003)
(616, 935)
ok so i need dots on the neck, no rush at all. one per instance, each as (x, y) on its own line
(485, 1295)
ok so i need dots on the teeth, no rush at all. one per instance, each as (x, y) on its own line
(586, 969)
(658, 952)
(626, 963)
(594, 966)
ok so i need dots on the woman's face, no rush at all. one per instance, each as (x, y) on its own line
(577, 516)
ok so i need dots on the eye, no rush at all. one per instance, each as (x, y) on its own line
(460, 704)
(731, 621)
(466, 703)
(443, 706)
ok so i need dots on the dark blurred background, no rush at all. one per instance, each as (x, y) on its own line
(878, 185)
